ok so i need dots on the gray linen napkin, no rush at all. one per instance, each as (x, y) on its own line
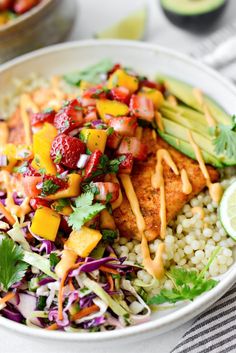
(214, 331)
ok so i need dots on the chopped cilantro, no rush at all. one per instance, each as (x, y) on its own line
(22, 168)
(54, 259)
(48, 110)
(49, 187)
(12, 268)
(110, 131)
(58, 158)
(109, 235)
(225, 142)
(60, 204)
(84, 210)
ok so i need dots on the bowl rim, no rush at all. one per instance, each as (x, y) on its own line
(25, 16)
(185, 313)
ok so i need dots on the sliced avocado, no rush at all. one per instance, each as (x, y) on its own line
(195, 14)
(184, 92)
(193, 125)
(187, 149)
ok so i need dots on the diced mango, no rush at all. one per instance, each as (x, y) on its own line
(63, 210)
(9, 150)
(82, 242)
(68, 259)
(121, 78)
(153, 94)
(95, 139)
(45, 223)
(84, 85)
(114, 108)
(73, 189)
(42, 141)
(106, 220)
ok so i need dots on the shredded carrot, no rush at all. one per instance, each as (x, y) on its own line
(7, 214)
(110, 281)
(61, 289)
(108, 270)
(7, 297)
(52, 327)
(72, 288)
(85, 312)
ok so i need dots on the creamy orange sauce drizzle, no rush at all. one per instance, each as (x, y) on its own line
(215, 189)
(159, 183)
(172, 100)
(156, 266)
(186, 185)
(27, 105)
(159, 121)
(198, 210)
(11, 184)
(208, 116)
(4, 133)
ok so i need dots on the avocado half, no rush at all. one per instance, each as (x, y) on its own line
(193, 14)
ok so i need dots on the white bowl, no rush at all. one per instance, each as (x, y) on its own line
(149, 60)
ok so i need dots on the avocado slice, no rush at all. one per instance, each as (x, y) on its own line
(191, 124)
(193, 14)
(184, 92)
(187, 149)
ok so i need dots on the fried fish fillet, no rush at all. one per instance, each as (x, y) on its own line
(149, 198)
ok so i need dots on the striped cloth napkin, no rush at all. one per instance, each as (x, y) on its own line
(214, 331)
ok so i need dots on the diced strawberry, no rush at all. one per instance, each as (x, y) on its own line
(39, 118)
(88, 102)
(151, 84)
(113, 69)
(30, 171)
(66, 150)
(114, 140)
(64, 225)
(142, 107)
(96, 92)
(124, 125)
(107, 191)
(120, 94)
(91, 116)
(37, 202)
(92, 164)
(5, 5)
(70, 117)
(21, 6)
(61, 183)
(126, 165)
(134, 146)
(30, 184)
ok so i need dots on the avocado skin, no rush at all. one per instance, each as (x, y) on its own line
(196, 23)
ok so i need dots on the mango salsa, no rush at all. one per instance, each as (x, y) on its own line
(82, 242)
(73, 189)
(153, 94)
(46, 223)
(121, 78)
(94, 139)
(42, 141)
(114, 108)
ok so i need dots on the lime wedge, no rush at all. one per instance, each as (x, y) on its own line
(131, 27)
(228, 210)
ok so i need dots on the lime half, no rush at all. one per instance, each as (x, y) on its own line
(228, 210)
(131, 27)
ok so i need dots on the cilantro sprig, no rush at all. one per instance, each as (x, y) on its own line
(188, 284)
(84, 211)
(225, 141)
(12, 266)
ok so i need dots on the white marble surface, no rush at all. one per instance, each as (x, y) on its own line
(93, 16)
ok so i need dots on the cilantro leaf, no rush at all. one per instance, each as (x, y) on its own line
(49, 187)
(90, 74)
(12, 268)
(84, 210)
(109, 235)
(54, 259)
(225, 142)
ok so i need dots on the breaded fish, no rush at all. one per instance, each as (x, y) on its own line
(149, 198)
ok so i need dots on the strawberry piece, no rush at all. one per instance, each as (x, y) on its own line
(126, 165)
(107, 191)
(114, 140)
(124, 125)
(134, 146)
(91, 116)
(30, 171)
(69, 117)
(65, 226)
(37, 202)
(30, 184)
(142, 107)
(5, 5)
(22, 6)
(39, 118)
(92, 164)
(66, 150)
(96, 92)
(151, 84)
(113, 69)
(61, 183)
(120, 94)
